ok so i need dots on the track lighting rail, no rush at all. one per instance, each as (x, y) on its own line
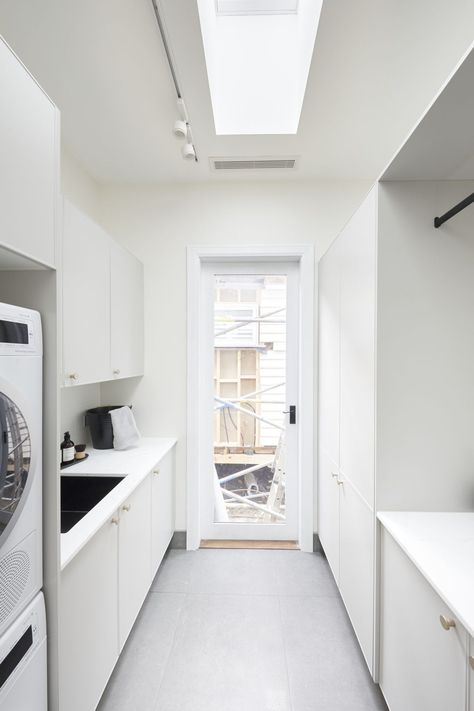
(182, 128)
(167, 49)
(438, 221)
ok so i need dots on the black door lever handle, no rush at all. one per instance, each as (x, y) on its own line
(292, 413)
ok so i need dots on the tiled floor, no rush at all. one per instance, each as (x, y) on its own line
(242, 630)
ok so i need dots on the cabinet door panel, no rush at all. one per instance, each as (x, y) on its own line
(29, 179)
(88, 621)
(329, 352)
(162, 509)
(422, 666)
(134, 557)
(126, 313)
(357, 427)
(356, 566)
(86, 299)
(328, 510)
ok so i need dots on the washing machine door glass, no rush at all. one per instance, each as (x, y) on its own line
(15, 458)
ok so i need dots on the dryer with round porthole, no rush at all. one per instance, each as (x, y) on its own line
(21, 368)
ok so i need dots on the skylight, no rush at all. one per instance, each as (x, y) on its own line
(258, 54)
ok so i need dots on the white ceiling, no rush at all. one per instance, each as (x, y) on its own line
(442, 145)
(375, 67)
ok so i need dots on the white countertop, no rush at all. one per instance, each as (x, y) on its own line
(441, 545)
(133, 464)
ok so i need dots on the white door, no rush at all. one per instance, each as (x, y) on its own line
(248, 348)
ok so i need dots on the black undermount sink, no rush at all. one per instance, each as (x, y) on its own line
(79, 494)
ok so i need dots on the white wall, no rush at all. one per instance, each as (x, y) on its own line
(78, 186)
(157, 223)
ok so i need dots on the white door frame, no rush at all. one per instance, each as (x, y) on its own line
(304, 255)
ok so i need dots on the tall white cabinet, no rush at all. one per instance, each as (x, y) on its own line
(347, 417)
(396, 383)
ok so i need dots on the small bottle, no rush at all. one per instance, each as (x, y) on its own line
(67, 449)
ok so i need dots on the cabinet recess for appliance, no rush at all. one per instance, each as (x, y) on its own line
(29, 181)
(126, 316)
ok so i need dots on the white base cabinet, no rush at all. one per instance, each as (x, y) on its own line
(89, 621)
(162, 509)
(134, 550)
(422, 665)
(105, 585)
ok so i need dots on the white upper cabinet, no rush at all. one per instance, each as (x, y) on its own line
(30, 163)
(102, 304)
(126, 274)
(86, 299)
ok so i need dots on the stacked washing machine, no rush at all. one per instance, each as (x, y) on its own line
(22, 612)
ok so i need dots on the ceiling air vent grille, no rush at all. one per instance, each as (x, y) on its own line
(253, 163)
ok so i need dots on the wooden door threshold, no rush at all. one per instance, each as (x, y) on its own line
(253, 545)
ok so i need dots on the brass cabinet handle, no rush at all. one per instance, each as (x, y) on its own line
(156, 471)
(114, 521)
(126, 507)
(73, 376)
(447, 622)
(117, 371)
(471, 661)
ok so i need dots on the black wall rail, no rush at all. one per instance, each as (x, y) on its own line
(438, 221)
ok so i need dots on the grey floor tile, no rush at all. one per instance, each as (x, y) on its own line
(139, 672)
(325, 665)
(174, 574)
(228, 654)
(238, 572)
(240, 630)
(305, 574)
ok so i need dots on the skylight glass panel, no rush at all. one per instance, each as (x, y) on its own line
(258, 54)
(256, 7)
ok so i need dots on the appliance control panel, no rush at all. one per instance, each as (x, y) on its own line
(20, 331)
